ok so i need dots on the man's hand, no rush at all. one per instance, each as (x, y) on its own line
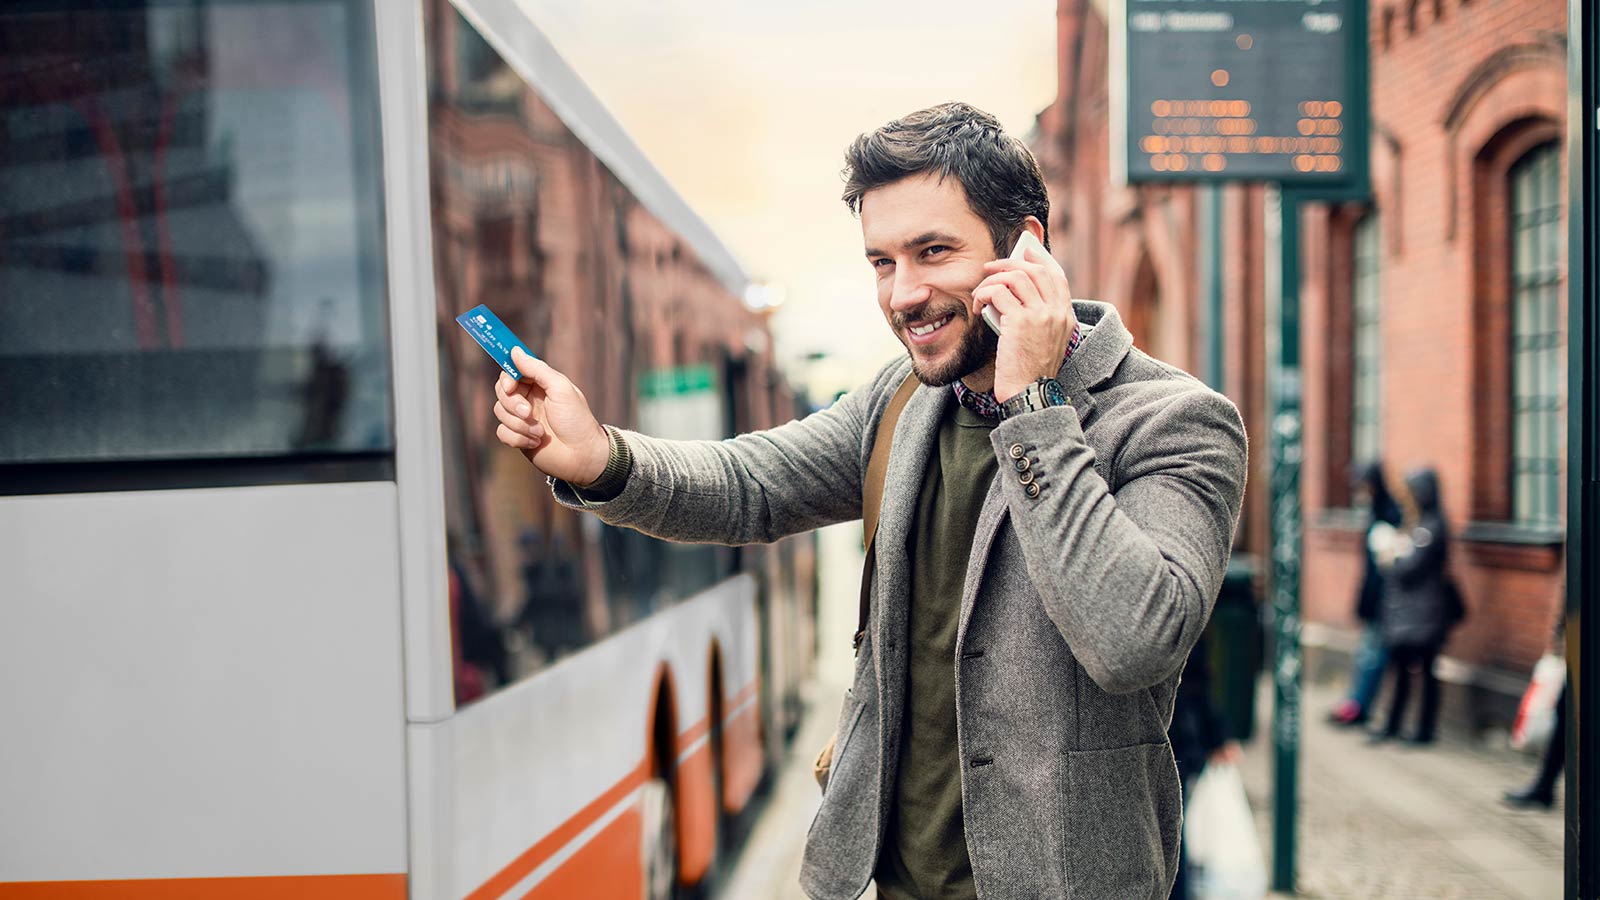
(546, 417)
(1035, 307)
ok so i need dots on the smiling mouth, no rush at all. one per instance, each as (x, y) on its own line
(931, 327)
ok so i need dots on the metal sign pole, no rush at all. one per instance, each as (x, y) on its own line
(1583, 452)
(1286, 537)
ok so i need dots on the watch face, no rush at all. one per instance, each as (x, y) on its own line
(1054, 393)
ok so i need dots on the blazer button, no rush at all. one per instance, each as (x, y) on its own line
(1026, 478)
(1033, 491)
(1022, 464)
(1016, 451)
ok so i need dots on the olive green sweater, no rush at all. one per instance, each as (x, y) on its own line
(925, 850)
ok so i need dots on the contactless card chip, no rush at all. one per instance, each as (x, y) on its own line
(493, 336)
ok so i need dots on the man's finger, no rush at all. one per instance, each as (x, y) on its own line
(1035, 255)
(1021, 284)
(512, 439)
(518, 423)
(505, 387)
(998, 296)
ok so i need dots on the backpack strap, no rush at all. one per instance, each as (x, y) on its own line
(872, 494)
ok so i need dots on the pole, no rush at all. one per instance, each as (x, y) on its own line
(1210, 196)
(1583, 453)
(1284, 385)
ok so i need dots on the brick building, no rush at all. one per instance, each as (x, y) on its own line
(1433, 315)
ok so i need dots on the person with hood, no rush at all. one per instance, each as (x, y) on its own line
(1371, 490)
(1419, 603)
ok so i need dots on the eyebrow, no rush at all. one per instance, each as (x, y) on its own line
(927, 237)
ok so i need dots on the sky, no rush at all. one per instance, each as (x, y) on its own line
(746, 108)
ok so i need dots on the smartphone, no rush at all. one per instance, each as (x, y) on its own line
(1023, 243)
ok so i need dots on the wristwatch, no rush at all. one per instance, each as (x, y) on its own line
(1044, 393)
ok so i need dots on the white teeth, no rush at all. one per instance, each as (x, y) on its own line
(929, 328)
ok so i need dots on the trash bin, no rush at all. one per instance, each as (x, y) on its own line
(1234, 642)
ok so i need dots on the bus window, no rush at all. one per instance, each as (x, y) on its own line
(190, 258)
(529, 221)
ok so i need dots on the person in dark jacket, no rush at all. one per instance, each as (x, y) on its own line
(1417, 601)
(1371, 491)
(1199, 735)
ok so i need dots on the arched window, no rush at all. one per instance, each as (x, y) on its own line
(1366, 348)
(1538, 403)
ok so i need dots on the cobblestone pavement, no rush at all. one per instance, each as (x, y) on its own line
(1395, 821)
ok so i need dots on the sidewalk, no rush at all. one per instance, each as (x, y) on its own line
(1386, 821)
(1396, 821)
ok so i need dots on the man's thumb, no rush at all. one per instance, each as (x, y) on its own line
(534, 369)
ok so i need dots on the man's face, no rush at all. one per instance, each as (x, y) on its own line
(927, 248)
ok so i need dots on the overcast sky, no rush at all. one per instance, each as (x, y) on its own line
(746, 107)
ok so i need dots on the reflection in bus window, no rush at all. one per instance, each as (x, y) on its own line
(527, 220)
(189, 256)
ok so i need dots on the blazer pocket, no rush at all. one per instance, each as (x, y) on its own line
(1122, 815)
(841, 845)
(849, 715)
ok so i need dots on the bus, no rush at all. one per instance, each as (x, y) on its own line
(278, 615)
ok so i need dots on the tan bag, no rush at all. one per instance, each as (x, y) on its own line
(871, 503)
(824, 762)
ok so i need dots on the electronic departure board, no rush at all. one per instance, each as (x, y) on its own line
(1240, 90)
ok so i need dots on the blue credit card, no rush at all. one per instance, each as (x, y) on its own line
(493, 336)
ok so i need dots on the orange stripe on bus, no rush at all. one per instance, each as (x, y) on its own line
(748, 692)
(561, 836)
(300, 887)
(564, 833)
(607, 866)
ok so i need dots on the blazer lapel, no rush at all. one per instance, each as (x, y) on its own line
(1091, 366)
(989, 518)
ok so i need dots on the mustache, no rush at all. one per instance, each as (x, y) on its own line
(929, 313)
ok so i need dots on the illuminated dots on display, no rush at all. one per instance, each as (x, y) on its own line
(1304, 163)
(1333, 108)
(1244, 41)
(1161, 108)
(1305, 126)
(1219, 77)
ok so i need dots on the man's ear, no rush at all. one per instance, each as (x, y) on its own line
(1033, 224)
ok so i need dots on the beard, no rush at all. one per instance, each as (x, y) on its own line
(976, 349)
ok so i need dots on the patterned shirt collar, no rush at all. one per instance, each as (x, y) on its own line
(983, 402)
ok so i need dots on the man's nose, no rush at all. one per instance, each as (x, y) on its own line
(908, 291)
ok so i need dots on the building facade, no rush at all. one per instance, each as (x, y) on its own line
(1433, 316)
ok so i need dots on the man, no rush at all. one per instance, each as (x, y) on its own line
(1056, 519)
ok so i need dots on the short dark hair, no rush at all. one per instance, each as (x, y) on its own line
(999, 175)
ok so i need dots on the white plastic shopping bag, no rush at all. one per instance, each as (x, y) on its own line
(1219, 837)
(1536, 715)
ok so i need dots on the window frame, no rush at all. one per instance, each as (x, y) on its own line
(1536, 497)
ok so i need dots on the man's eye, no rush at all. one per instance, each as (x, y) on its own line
(936, 250)
(882, 263)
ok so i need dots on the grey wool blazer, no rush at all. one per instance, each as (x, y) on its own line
(1079, 608)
